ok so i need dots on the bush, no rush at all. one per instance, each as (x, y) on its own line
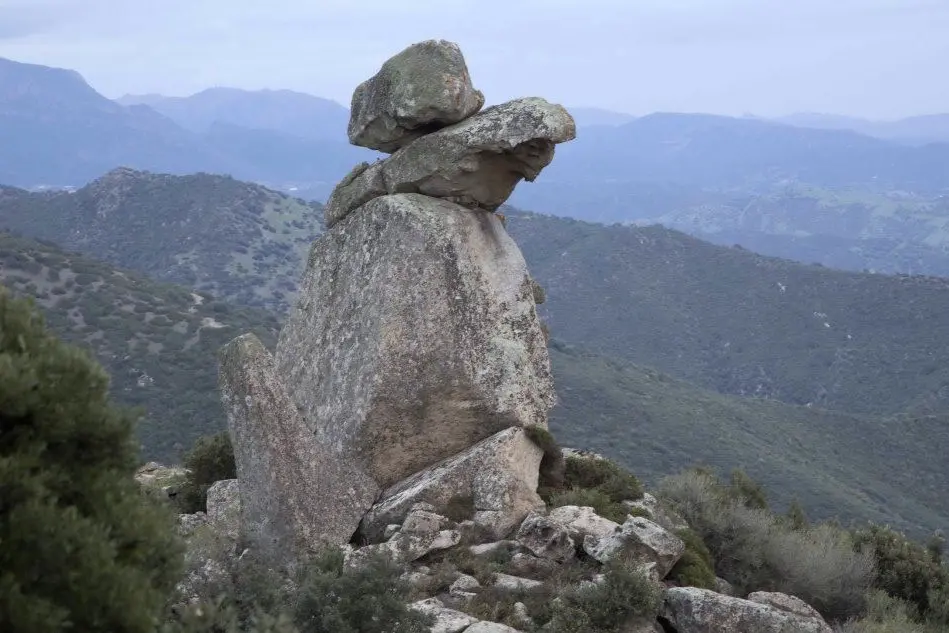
(367, 599)
(80, 546)
(886, 614)
(591, 481)
(908, 571)
(755, 551)
(552, 465)
(211, 459)
(696, 567)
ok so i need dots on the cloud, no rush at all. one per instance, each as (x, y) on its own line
(729, 56)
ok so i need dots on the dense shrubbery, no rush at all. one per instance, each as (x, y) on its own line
(595, 482)
(80, 547)
(211, 459)
(755, 551)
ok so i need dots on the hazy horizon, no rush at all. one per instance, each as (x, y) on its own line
(873, 59)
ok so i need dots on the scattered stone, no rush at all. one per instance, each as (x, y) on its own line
(724, 587)
(582, 521)
(658, 512)
(421, 521)
(546, 538)
(693, 610)
(419, 90)
(446, 620)
(486, 549)
(475, 163)
(522, 616)
(522, 564)
(464, 583)
(490, 627)
(392, 378)
(391, 530)
(646, 541)
(500, 473)
(295, 494)
(188, 523)
(514, 583)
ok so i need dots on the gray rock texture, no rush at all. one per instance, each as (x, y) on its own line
(498, 474)
(295, 494)
(415, 336)
(475, 163)
(692, 610)
(422, 88)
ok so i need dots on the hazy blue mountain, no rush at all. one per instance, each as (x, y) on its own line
(585, 116)
(285, 111)
(917, 130)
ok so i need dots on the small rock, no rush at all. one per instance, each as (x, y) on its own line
(641, 538)
(486, 549)
(490, 627)
(188, 523)
(391, 530)
(724, 587)
(514, 583)
(446, 620)
(522, 616)
(423, 521)
(464, 583)
(546, 538)
(522, 564)
(581, 521)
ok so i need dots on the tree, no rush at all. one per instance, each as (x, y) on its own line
(80, 546)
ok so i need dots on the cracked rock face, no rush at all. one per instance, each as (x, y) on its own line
(415, 336)
(423, 88)
(475, 163)
(692, 610)
(295, 494)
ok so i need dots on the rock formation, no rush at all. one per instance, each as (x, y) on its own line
(414, 356)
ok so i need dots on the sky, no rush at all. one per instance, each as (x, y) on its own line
(878, 59)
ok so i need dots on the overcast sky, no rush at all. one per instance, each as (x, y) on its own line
(874, 58)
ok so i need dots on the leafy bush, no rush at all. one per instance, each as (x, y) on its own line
(886, 614)
(908, 571)
(211, 459)
(590, 481)
(552, 464)
(696, 567)
(80, 547)
(367, 599)
(755, 551)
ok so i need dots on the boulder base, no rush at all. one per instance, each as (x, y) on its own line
(415, 336)
(497, 477)
(692, 610)
(295, 495)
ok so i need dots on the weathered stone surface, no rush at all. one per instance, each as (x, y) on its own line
(415, 336)
(784, 602)
(490, 627)
(646, 541)
(446, 620)
(475, 163)
(224, 507)
(358, 187)
(514, 583)
(464, 583)
(692, 610)
(295, 494)
(659, 512)
(546, 538)
(422, 88)
(582, 521)
(499, 474)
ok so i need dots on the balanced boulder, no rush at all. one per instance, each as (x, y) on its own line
(415, 336)
(475, 163)
(419, 90)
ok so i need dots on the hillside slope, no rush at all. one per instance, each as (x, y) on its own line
(741, 323)
(890, 470)
(158, 342)
(238, 241)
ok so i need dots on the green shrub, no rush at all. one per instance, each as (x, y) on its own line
(696, 567)
(367, 599)
(211, 459)
(601, 502)
(459, 508)
(590, 481)
(744, 489)
(908, 571)
(80, 547)
(886, 614)
(755, 551)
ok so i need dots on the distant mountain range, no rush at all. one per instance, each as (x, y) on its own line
(916, 130)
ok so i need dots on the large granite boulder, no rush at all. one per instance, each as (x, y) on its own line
(423, 88)
(497, 477)
(645, 541)
(415, 336)
(692, 610)
(295, 494)
(475, 163)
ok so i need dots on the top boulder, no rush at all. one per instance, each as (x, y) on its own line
(422, 89)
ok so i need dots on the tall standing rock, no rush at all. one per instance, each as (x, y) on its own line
(415, 336)
(296, 494)
(423, 88)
